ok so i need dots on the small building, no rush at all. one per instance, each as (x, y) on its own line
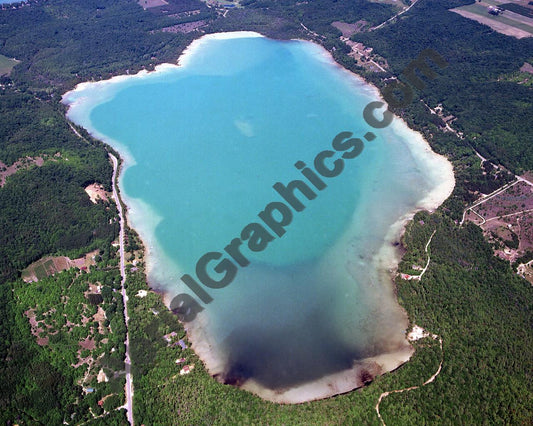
(168, 337)
(186, 369)
(408, 277)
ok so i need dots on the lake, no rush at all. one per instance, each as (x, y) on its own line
(233, 179)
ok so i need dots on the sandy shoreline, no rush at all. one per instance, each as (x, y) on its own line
(387, 258)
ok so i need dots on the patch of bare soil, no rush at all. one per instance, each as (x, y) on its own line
(48, 266)
(36, 327)
(147, 4)
(96, 191)
(23, 163)
(184, 28)
(526, 271)
(507, 220)
(88, 343)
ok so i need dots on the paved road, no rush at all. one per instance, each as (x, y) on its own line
(127, 361)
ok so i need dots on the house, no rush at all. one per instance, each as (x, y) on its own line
(408, 277)
(186, 369)
(168, 337)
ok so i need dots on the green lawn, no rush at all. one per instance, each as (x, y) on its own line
(6, 64)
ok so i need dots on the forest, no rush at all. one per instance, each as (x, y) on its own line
(493, 113)
(46, 371)
(475, 302)
(44, 210)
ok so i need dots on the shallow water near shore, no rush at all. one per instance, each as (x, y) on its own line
(313, 314)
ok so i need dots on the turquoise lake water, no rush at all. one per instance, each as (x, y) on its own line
(205, 143)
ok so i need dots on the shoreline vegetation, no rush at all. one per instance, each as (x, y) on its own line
(388, 256)
(473, 300)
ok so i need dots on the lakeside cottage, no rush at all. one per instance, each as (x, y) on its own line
(186, 369)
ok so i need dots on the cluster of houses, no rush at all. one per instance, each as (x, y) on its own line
(409, 277)
(170, 337)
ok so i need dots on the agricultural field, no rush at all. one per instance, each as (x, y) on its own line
(147, 4)
(505, 22)
(48, 266)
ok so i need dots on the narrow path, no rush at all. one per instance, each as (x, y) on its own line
(378, 65)
(519, 234)
(431, 379)
(75, 131)
(451, 129)
(483, 159)
(483, 220)
(509, 215)
(87, 372)
(521, 179)
(429, 258)
(416, 334)
(351, 45)
(311, 32)
(491, 195)
(394, 17)
(127, 361)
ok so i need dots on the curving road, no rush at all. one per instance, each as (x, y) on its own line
(129, 382)
(429, 257)
(431, 379)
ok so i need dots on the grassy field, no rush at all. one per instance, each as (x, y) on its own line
(499, 23)
(147, 4)
(6, 64)
(45, 267)
(482, 11)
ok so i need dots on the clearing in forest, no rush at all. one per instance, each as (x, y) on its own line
(503, 21)
(6, 65)
(49, 265)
